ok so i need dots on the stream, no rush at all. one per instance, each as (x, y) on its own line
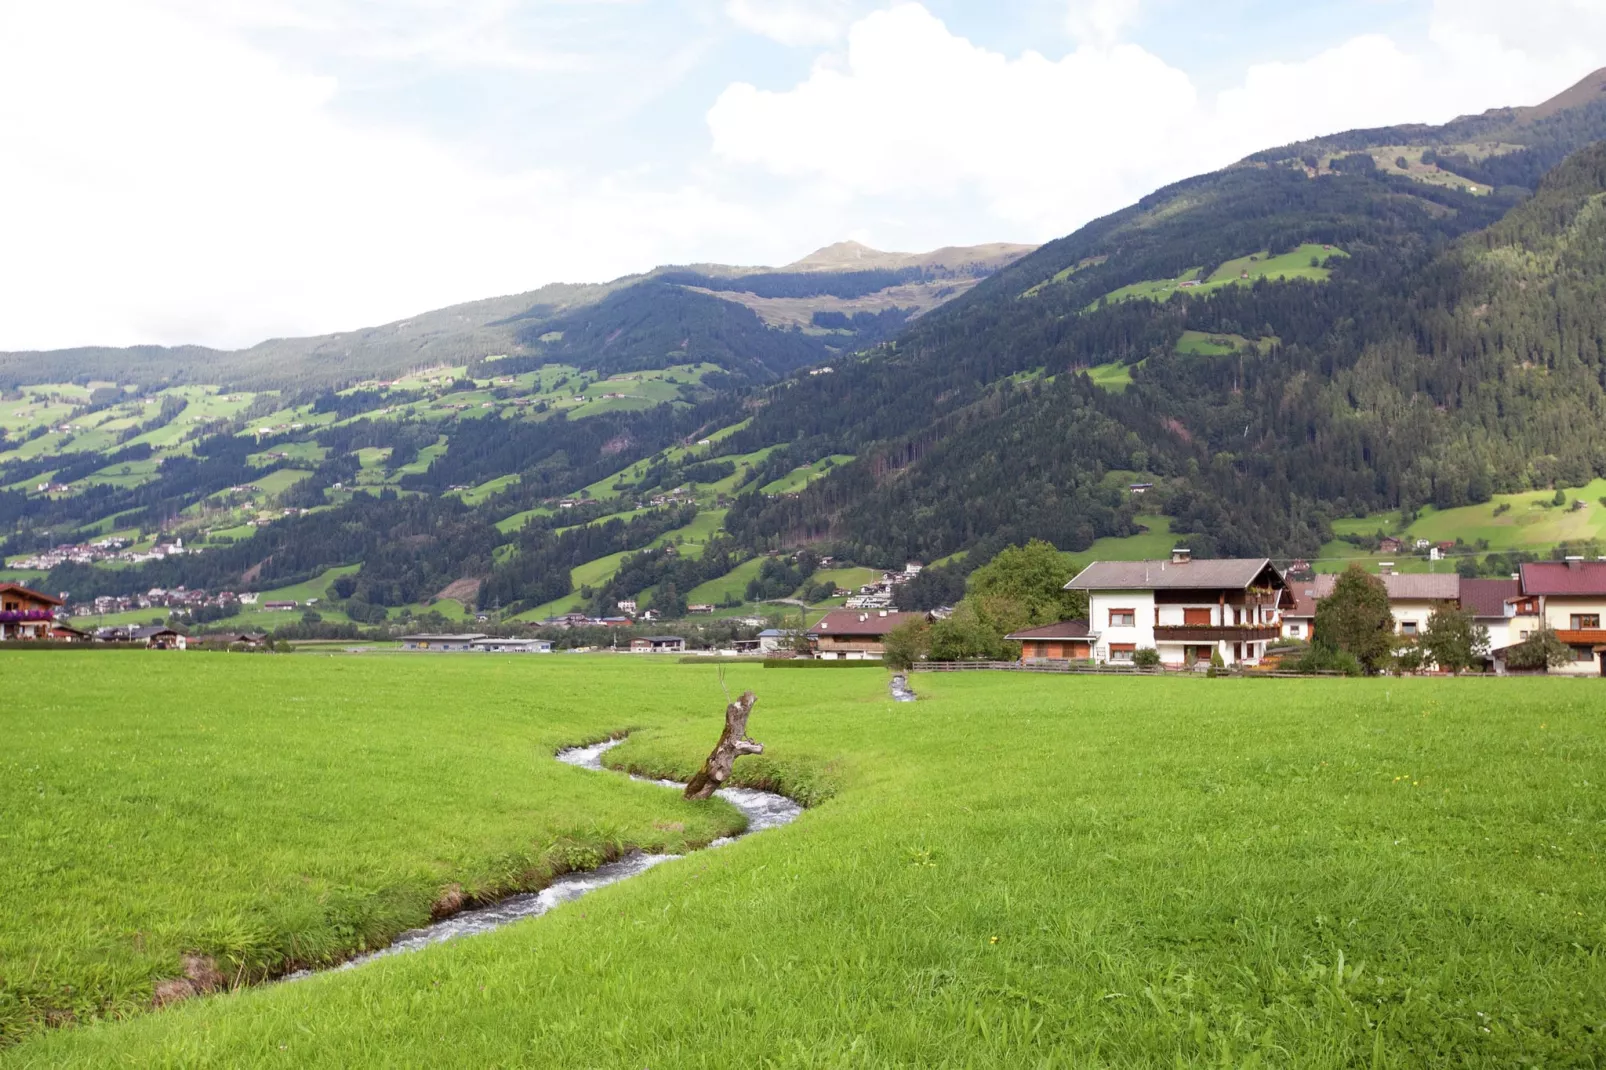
(763, 809)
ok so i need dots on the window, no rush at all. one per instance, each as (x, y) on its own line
(1196, 618)
(1408, 627)
(1123, 618)
(1121, 651)
(1295, 629)
(1582, 621)
(1583, 653)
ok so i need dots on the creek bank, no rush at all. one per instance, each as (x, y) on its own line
(763, 810)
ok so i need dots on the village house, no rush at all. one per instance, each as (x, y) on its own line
(1571, 600)
(26, 613)
(856, 635)
(1066, 641)
(1186, 610)
(1412, 599)
(658, 644)
(159, 637)
(439, 644)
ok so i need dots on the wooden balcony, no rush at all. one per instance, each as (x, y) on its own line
(1200, 633)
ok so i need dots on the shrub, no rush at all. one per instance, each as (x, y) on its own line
(1147, 658)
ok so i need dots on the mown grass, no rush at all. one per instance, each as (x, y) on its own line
(1015, 871)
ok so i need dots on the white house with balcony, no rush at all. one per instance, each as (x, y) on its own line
(1186, 610)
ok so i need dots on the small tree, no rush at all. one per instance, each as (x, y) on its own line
(1453, 639)
(1560, 498)
(1540, 651)
(1218, 664)
(1409, 658)
(1356, 619)
(1147, 658)
(906, 644)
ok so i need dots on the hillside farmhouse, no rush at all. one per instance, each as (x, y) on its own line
(26, 613)
(1186, 610)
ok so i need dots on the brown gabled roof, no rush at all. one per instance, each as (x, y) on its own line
(1564, 578)
(1487, 598)
(861, 623)
(29, 592)
(1210, 575)
(1065, 629)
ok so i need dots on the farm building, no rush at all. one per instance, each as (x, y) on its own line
(441, 644)
(26, 613)
(512, 646)
(658, 644)
(1066, 641)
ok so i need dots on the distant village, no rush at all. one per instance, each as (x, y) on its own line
(1178, 613)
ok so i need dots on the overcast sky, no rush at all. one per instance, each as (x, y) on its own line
(222, 171)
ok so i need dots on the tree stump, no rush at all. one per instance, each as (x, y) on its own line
(733, 743)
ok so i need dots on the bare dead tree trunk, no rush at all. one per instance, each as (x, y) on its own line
(733, 743)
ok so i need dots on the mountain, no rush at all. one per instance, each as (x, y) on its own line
(757, 322)
(1302, 348)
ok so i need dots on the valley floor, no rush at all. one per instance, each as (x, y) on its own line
(1015, 870)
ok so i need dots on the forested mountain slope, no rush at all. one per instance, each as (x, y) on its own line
(1321, 332)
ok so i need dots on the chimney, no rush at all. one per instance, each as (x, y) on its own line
(1575, 563)
(1386, 567)
(1181, 555)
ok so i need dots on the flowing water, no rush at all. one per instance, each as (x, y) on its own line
(763, 809)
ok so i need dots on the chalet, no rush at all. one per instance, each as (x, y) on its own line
(1389, 545)
(700, 608)
(512, 646)
(26, 613)
(658, 644)
(1066, 641)
(66, 633)
(1186, 610)
(442, 644)
(1571, 599)
(856, 635)
(747, 646)
(159, 637)
(1299, 612)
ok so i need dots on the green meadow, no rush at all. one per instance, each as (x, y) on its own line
(1015, 871)
(1308, 261)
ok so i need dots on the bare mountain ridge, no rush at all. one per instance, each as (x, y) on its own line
(475, 329)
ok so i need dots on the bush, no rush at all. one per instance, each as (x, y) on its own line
(1147, 658)
(1218, 665)
(1318, 659)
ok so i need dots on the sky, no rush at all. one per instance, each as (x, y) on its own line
(219, 172)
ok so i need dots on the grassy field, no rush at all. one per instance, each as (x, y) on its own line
(1017, 871)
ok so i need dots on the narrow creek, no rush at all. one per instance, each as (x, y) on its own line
(763, 810)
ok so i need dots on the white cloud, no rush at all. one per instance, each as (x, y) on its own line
(792, 22)
(1101, 22)
(163, 181)
(915, 111)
